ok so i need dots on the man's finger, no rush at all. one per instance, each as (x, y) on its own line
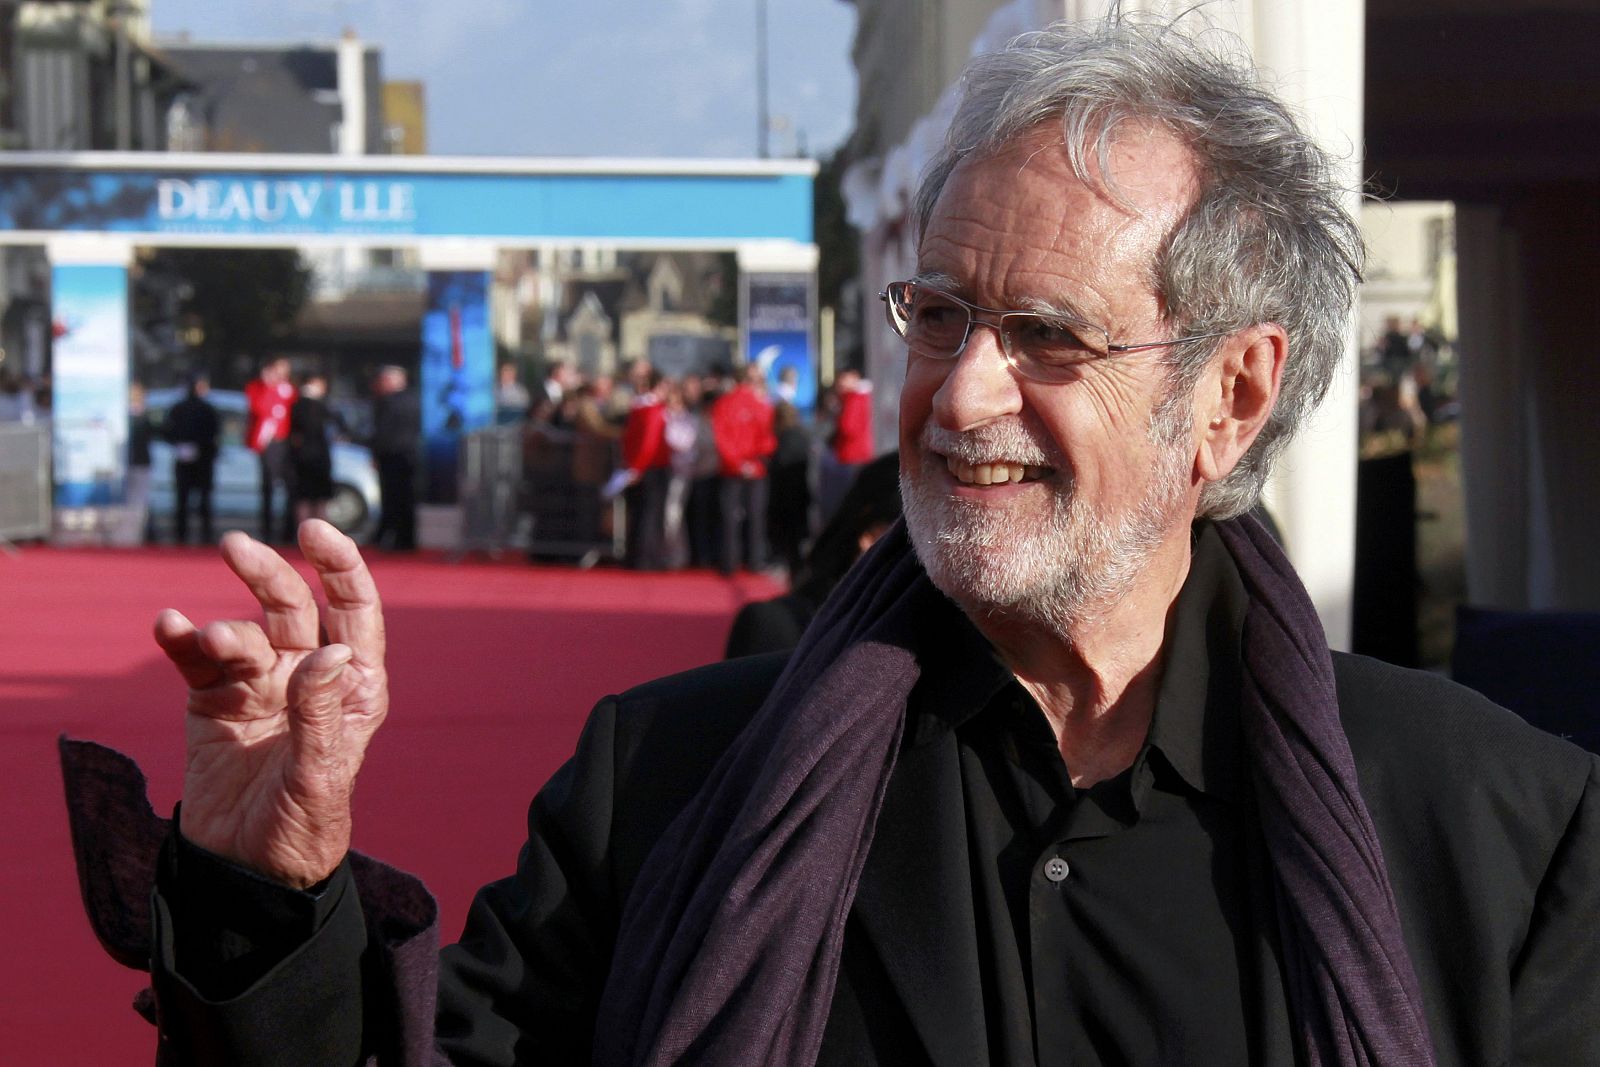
(181, 642)
(355, 615)
(317, 689)
(290, 611)
(241, 650)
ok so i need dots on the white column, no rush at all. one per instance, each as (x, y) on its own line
(1314, 55)
(351, 74)
(352, 81)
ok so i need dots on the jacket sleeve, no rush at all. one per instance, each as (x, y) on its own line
(247, 960)
(1556, 976)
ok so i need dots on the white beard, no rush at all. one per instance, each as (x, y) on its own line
(1051, 567)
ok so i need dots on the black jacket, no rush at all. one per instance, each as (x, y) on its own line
(396, 423)
(1490, 829)
(193, 421)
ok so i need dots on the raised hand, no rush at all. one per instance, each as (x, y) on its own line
(278, 721)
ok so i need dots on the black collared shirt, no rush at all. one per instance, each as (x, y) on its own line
(1123, 923)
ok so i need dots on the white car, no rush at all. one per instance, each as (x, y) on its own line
(236, 492)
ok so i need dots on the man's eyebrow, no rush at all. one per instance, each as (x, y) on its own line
(1060, 309)
(936, 279)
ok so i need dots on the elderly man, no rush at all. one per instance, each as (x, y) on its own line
(1062, 773)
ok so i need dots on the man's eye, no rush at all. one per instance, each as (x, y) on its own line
(937, 315)
(1052, 339)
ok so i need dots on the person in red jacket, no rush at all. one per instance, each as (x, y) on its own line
(852, 436)
(648, 459)
(850, 446)
(270, 395)
(741, 424)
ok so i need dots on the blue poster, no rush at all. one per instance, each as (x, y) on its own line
(89, 379)
(778, 336)
(457, 374)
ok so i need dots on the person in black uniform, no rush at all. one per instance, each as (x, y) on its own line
(396, 429)
(789, 507)
(311, 422)
(192, 428)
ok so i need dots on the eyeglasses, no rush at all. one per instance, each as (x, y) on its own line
(1041, 346)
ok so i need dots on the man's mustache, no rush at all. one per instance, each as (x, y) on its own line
(989, 443)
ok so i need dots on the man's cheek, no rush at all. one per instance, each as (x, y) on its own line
(916, 399)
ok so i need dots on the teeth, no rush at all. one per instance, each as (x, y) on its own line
(991, 473)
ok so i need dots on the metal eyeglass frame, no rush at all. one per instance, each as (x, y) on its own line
(892, 303)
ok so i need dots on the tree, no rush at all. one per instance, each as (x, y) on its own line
(838, 242)
(244, 302)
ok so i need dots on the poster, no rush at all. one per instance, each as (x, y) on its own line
(457, 374)
(778, 314)
(89, 378)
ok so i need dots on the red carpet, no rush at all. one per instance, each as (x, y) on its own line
(493, 665)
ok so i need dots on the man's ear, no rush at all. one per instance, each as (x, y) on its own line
(1234, 397)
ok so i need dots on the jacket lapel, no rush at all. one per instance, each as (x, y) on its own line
(915, 904)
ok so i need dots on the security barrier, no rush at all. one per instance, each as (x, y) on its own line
(563, 473)
(24, 482)
(490, 482)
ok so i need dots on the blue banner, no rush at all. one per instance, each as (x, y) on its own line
(778, 336)
(89, 380)
(399, 204)
(457, 374)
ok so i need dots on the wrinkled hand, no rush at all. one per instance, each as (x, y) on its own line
(278, 721)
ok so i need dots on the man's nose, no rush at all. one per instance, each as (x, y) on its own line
(980, 385)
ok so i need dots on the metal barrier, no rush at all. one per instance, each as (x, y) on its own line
(563, 474)
(24, 482)
(490, 481)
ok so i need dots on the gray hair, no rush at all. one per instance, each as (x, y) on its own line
(1267, 239)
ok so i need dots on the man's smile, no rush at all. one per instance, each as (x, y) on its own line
(997, 472)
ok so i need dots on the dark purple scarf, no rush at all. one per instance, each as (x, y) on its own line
(729, 944)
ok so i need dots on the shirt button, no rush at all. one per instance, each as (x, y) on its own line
(1056, 869)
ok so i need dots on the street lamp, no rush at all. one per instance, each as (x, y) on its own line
(118, 13)
(762, 130)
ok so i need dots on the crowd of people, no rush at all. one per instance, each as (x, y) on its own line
(1405, 386)
(291, 427)
(714, 470)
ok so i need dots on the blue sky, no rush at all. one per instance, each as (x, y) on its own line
(591, 77)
